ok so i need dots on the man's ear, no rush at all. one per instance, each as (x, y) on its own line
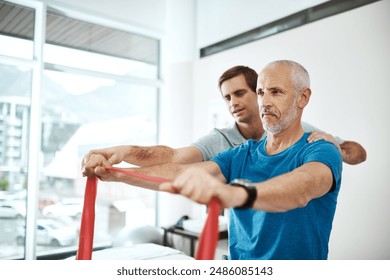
(304, 97)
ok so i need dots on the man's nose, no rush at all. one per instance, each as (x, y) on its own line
(233, 102)
(264, 100)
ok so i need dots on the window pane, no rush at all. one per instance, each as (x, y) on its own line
(81, 113)
(15, 91)
(16, 30)
(16, 47)
(99, 62)
(135, 55)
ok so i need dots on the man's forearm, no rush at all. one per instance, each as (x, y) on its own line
(168, 171)
(149, 156)
(294, 189)
(165, 171)
(353, 153)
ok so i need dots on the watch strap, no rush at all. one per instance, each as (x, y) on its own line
(252, 194)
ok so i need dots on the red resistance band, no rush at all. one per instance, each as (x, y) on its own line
(208, 239)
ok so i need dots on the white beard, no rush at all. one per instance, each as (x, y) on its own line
(285, 122)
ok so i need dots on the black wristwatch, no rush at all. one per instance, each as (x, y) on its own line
(251, 190)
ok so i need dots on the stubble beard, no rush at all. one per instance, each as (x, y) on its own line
(283, 123)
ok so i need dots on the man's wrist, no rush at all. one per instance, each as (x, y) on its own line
(250, 189)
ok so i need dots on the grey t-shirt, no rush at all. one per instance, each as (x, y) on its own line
(221, 139)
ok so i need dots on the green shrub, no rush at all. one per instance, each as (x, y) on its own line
(4, 184)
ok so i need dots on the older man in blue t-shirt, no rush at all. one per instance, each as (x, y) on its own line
(301, 233)
(287, 213)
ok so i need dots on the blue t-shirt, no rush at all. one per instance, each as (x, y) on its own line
(301, 233)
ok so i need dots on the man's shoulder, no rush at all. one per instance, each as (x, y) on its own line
(227, 130)
(319, 149)
(231, 134)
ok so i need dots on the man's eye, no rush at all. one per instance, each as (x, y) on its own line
(260, 92)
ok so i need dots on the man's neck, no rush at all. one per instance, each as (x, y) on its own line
(277, 143)
(253, 130)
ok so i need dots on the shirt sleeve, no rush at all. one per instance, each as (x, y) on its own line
(205, 144)
(213, 143)
(326, 153)
(224, 162)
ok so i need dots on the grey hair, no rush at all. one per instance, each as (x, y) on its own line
(299, 75)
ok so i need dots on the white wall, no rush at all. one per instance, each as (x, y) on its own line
(221, 19)
(178, 53)
(348, 58)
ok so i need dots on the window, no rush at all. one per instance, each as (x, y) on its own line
(99, 88)
(81, 113)
(15, 91)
